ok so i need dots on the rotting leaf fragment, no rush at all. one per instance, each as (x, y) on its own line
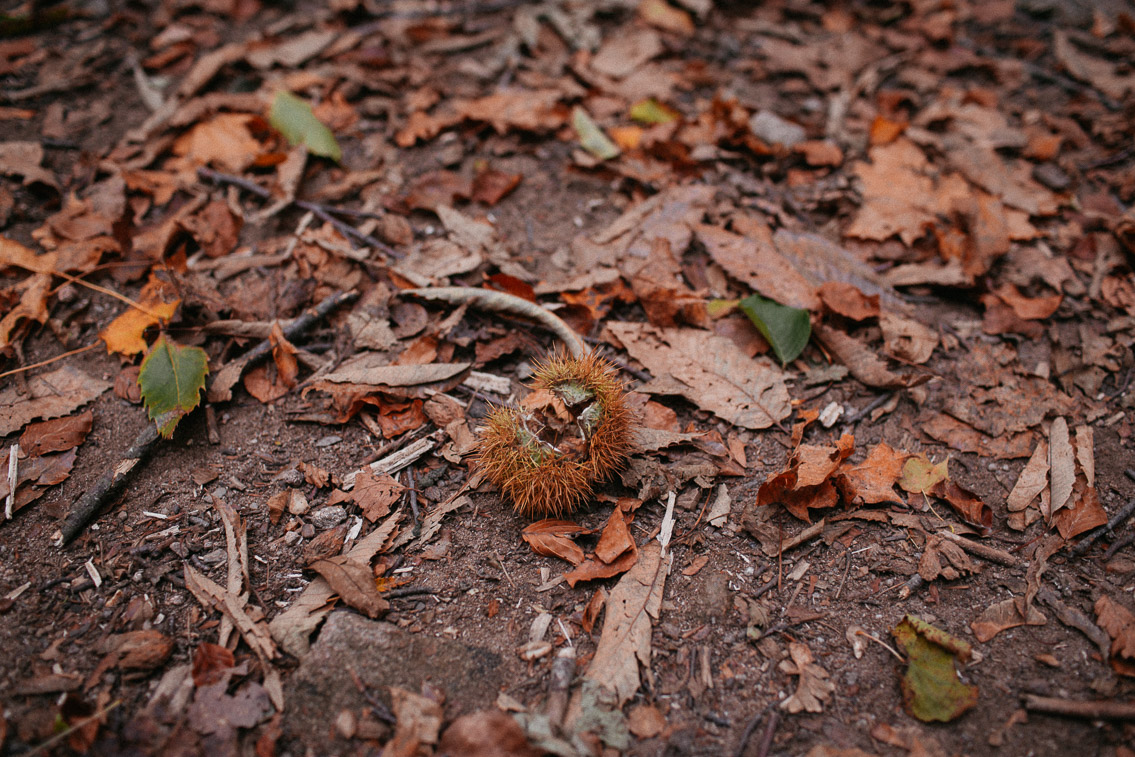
(930, 686)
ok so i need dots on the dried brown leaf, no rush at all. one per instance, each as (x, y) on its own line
(710, 371)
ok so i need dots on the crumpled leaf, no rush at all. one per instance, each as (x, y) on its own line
(785, 329)
(171, 381)
(813, 688)
(294, 118)
(931, 688)
(553, 538)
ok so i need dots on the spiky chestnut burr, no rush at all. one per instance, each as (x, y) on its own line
(571, 433)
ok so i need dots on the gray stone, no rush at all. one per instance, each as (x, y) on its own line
(773, 129)
(381, 655)
(328, 517)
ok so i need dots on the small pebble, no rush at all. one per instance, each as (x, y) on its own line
(328, 517)
(307, 531)
(327, 441)
(291, 537)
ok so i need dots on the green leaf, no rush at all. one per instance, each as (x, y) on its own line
(931, 688)
(171, 381)
(591, 137)
(293, 118)
(650, 111)
(786, 329)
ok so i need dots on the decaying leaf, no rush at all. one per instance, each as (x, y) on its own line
(813, 688)
(353, 581)
(931, 688)
(1119, 622)
(632, 607)
(49, 395)
(552, 537)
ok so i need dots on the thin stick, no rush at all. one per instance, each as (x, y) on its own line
(415, 512)
(1093, 536)
(748, 732)
(109, 293)
(765, 743)
(323, 212)
(501, 302)
(1092, 710)
(49, 361)
(983, 551)
(72, 728)
(111, 482)
(858, 415)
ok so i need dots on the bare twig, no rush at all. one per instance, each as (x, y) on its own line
(985, 552)
(748, 732)
(1092, 710)
(321, 211)
(501, 302)
(1124, 513)
(765, 743)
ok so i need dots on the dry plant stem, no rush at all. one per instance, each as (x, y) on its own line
(1073, 618)
(47, 745)
(110, 483)
(559, 686)
(748, 732)
(49, 361)
(1092, 710)
(500, 302)
(323, 212)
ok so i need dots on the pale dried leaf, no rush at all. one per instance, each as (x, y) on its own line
(710, 371)
(1031, 482)
(625, 644)
(1062, 464)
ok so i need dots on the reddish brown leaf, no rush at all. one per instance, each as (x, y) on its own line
(210, 661)
(56, 435)
(846, 300)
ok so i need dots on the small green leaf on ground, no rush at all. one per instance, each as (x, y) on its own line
(591, 137)
(171, 380)
(294, 118)
(650, 111)
(786, 329)
(931, 688)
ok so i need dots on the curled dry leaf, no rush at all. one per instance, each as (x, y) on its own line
(551, 537)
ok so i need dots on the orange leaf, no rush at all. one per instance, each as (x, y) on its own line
(124, 334)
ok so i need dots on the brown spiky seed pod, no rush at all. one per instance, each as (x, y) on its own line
(572, 432)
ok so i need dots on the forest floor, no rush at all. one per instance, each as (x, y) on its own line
(896, 523)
